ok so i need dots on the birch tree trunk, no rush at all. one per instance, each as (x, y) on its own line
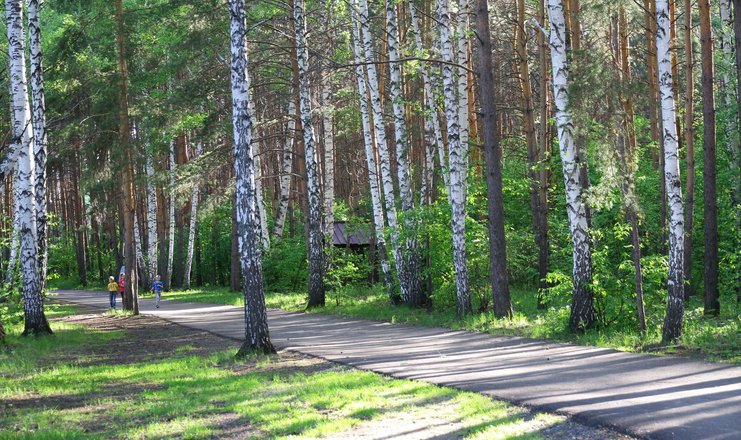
(38, 116)
(33, 305)
(456, 153)
(194, 198)
(544, 151)
(675, 305)
(152, 239)
(387, 182)
(497, 247)
(257, 337)
(140, 263)
(260, 200)
(709, 172)
(286, 169)
(462, 82)
(582, 307)
(378, 217)
(171, 216)
(314, 244)
(328, 132)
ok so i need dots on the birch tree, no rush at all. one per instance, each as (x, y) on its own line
(675, 305)
(38, 116)
(375, 193)
(286, 169)
(328, 132)
(582, 305)
(152, 238)
(456, 152)
(194, 198)
(314, 244)
(171, 215)
(257, 337)
(22, 129)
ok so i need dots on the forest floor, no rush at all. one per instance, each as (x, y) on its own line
(112, 375)
(661, 397)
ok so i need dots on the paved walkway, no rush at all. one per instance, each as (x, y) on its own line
(647, 396)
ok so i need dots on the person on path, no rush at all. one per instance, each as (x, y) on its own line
(157, 289)
(121, 283)
(112, 290)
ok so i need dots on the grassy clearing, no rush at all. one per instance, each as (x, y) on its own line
(713, 338)
(84, 382)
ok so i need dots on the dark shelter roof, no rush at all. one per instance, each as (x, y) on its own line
(360, 235)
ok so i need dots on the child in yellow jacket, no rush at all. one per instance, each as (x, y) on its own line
(112, 290)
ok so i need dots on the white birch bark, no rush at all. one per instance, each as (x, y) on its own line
(675, 305)
(142, 265)
(38, 105)
(433, 133)
(455, 152)
(315, 248)
(286, 169)
(387, 182)
(171, 214)
(260, 199)
(152, 238)
(22, 131)
(378, 217)
(257, 337)
(194, 199)
(327, 128)
(582, 308)
(462, 82)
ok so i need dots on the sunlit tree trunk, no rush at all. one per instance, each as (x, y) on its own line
(497, 248)
(286, 169)
(675, 305)
(582, 306)
(461, 57)
(152, 239)
(171, 215)
(544, 151)
(689, 144)
(194, 198)
(387, 183)
(378, 217)
(314, 244)
(33, 305)
(38, 116)
(328, 131)
(257, 337)
(709, 188)
(456, 152)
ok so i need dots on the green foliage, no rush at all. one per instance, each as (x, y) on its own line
(285, 268)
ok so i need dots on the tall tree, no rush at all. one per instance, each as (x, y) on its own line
(170, 215)
(456, 151)
(38, 116)
(257, 337)
(314, 243)
(497, 248)
(675, 305)
(709, 172)
(544, 152)
(127, 166)
(33, 304)
(582, 303)
(286, 175)
(737, 40)
(689, 141)
(152, 238)
(194, 198)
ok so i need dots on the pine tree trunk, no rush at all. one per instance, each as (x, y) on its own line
(582, 307)
(257, 337)
(79, 220)
(193, 223)
(286, 169)
(314, 243)
(497, 248)
(152, 238)
(709, 188)
(689, 141)
(129, 190)
(378, 217)
(456, 153)
(737, 40)
(33, 305)
(544, 151)
(171, 216)
(38, 116)
(675, 305)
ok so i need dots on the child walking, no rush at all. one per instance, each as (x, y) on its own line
(121, 284)
(157, 288)
(112, 290)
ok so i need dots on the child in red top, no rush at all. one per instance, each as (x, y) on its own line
(121, 280)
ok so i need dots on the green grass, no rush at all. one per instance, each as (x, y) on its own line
(53, 387)
(712, 338)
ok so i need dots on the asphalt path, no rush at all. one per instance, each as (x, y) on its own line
(647, 396)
